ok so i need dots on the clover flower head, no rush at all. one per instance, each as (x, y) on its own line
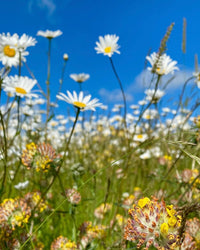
(153, 223)
(32, 199)
(128, 201)
(73, 196)
(102, 210)
(96, 231)
(64, 243)
(39, 156)
(14, 213)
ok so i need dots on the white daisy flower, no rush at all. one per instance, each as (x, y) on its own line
(26, 41)
(82, 77)
(19, 85)
(9, 55)
(11, 46)
(107, 45)
(83, 103)
(154, 96)
(146, 155)
(21, 185)
(150, 114)
(140, 137)
(161, 65)
(49, 34)
(197, 80)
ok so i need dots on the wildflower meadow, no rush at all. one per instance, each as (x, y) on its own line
(126, 177)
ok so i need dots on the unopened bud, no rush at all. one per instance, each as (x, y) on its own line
(65, 57)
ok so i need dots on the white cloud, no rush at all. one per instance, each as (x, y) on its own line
(114, 96)
(145, 80)
(47, 5)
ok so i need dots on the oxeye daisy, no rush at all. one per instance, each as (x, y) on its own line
(161, 65)
(154, 95)
(82, 77)
(107, 45)
(197, 80)
(19, 85)
(9, 55)
(11, 46)
(79, 101)
(25, 41)
(49, 34)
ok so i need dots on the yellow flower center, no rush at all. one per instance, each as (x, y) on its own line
(107, 49)
(148, 117)
(9, 51)
(140, 136)
(20, 90)
(80, 105)
(159, 71)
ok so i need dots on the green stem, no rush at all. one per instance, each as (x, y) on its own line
(80, 86)
(122, 90)
(73, 215)
(32, 75)
(62, 78)
(149, 104)
(72, 131)
(48, 88)
(5, 148)
(61, 164)
(20, 64)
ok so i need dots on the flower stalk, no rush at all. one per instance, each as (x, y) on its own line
(122, 91)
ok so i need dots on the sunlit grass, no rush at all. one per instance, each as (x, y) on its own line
(124, 178)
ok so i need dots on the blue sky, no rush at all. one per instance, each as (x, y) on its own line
(140, 25)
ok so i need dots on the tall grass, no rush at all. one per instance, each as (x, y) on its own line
(68, 183)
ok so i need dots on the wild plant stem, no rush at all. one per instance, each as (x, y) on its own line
(48, 88)
(62, 78)
(61, 164)
(149, 104)
(122, 90)
(5, 148)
